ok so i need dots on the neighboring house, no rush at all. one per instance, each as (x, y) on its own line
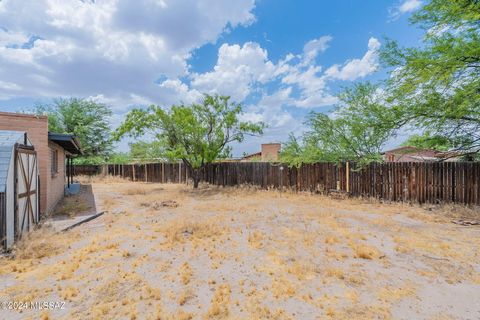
(54, 153)
(270, 152)
(413, 154)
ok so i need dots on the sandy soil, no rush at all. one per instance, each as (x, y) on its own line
(169, 252)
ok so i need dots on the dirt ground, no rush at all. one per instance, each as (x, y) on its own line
(170, 252)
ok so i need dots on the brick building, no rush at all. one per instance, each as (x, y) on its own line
(270, 152)
(53, 152)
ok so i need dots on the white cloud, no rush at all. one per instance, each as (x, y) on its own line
(114, 48)
(9, 38)
(269, 109)
(357, 68)
(313, 47)
(238, 68)
(409, 6)
(313, 81)
(176, 91)
(241, 71)
(9, 86)
(114, 51)
(312, 85)
(319, 99)
(406, 6)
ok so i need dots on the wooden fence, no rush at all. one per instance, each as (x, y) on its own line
(446, 182)
(151, 172)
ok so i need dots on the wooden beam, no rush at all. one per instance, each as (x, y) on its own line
(26, 194)
(83, 221)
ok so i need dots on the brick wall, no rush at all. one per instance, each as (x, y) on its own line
(37, 130)
(55, 180)
(270, 151)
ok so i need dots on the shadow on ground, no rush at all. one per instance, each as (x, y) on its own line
(79, 201)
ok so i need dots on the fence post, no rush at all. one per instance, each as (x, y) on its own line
(281, 177)
(337, 176)
(347, 176)
(163, 172)
(456, 182)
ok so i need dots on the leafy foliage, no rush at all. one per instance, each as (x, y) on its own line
(86, 119)
(428, 141)
(197, 134)
(437, 86)
(142, 150)
(112, 158)
(358, 128)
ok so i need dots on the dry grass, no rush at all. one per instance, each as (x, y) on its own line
(108, 202)
(282, 288)
(185, 273)
(331, 240)
(135, 189)
(256, 239)
(182, 231)
(245, 253)
(426, 243)
(219, 306)
(41, 243)
(391, 294)
(72, 206)
(185, 296)
(335, 273)
(453, 211)
(104, 179)
(363, 251)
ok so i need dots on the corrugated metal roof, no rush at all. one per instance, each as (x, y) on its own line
(7, 142)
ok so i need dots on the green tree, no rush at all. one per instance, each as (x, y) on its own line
(112, 158)
(356, 130)
(86, 119)
(142, 150)
(437, 86)
(119, 158)
(295, 152)
(428, 141)
(196, 134)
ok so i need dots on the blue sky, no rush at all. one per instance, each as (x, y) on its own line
(280, 58)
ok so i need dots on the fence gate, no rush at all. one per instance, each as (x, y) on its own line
(26, 190)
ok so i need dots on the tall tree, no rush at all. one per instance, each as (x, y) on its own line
(86, 119)
(429, 141)
(437, 86)
(142, 150)
(196, 134)
(356, 130)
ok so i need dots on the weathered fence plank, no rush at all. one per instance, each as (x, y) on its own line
(447, 182)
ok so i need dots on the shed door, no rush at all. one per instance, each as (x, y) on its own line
(26, 206)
